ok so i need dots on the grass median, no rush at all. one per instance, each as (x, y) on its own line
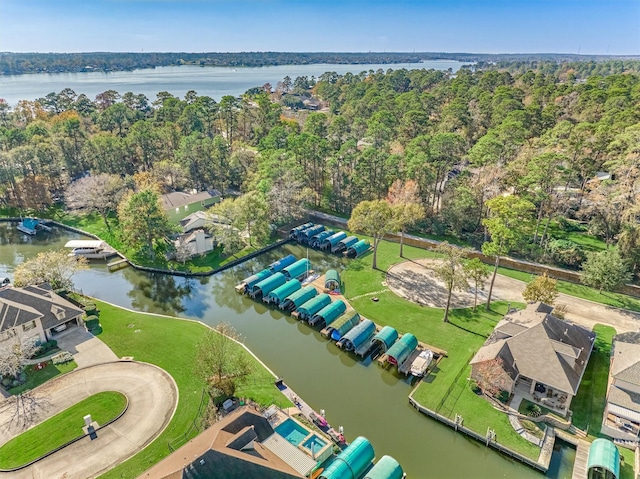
(60, 429)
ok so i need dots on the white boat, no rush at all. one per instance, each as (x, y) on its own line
(421, 363)
(90, 249)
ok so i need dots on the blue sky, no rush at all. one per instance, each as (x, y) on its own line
(484, 26)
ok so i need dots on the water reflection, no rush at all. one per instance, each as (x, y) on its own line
(362, 397)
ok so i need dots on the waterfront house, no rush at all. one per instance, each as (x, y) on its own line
(544, 357)
(621, 418)
(35, 311)
(195, 243)
(229, 449)
(200, 220)
(179, 204)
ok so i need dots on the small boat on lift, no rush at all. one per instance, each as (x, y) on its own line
(90, 249)
(421, 363)
(31, 226)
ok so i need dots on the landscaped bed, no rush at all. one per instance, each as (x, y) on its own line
(60, 429)
(40, 373)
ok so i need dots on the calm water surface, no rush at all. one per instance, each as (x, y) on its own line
(177, 80)
(362, 397)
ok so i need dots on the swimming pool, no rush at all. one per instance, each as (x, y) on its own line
(292, 431)
(314, 444)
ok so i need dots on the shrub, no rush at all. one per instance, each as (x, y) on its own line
(7, 381)
(503, 397)
(90, 318)
(92, 324)
(90, 308)
(566, 253)
(533, 410)
(47, 346)
(63, 357)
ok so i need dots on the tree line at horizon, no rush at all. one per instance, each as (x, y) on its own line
(567, 147)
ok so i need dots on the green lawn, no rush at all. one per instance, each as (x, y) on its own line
(37, 377)
(60, 429)
(170, 344)
(588, 405)
(626, 470)
(446, 387)
(579, 236)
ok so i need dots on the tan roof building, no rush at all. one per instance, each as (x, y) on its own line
(231, 448)
(544, 356)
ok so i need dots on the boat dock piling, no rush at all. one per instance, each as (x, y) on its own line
(118, 264)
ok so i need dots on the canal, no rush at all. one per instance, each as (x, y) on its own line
(359, 396)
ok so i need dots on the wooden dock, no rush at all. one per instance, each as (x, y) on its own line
(118, 264)
(580, 464)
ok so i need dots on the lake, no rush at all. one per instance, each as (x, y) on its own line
(215, 82)
(360, 396)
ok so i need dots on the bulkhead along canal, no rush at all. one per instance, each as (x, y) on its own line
(363, 398)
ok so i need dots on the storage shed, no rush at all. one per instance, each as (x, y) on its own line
(352, 462)
(328, 314)
(357, 249)
(281, 264)
(358, 336)
(267, 285)
(298, 298)
(311, 307)
(386, 468)
(297, 269)
(332, 281)
(401, 350)
(281, 292)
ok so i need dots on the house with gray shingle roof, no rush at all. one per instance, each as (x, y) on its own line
(621, 418)
(544, 357)
(35, 311)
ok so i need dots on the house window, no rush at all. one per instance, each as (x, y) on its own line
(9, 333)
(28, 326)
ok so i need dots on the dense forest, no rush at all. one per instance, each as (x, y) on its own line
(570, 147)
(19, 63)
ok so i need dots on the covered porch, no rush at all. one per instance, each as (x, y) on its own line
(552, 398)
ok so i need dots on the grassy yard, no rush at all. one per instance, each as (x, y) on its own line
(36, 377)
(170, 344)
(446, 387)
(626, 469)
(588, 405)
(60, 429)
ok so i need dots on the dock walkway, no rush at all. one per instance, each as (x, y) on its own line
(582, 455)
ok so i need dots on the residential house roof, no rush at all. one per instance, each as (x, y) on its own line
(626, 357)
(229, 449)
(177, 199)
(20, 305)
(535, 344)
(622, 397)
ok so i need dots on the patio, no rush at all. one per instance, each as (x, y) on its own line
(555, 400)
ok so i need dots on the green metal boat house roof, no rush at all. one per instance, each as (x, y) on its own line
(342, 325)
(402, 349)
(294, 231)
(317, 240)
(332, 280)
(386, 468)
(281, 292)
(386, 336)
(297, 269)
(333, 240)
(604, 460)
(357, 249)
(329, 313)
(279, 265)
(267, 285)
(256, 278)
(299, 297)
(358, 335)
(314, 305)
(306, 235)
(352, 462)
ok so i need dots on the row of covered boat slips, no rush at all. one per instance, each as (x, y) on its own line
(298, 298)
(281, 264)
(262, 288)
(293, 234)
(298, 270)
(341, 326)
(311, 307)
(328, 244)
(402, 353)
(328, 314)
(383, 340)
(305, 235)
(317, 240)
(359, 339)
(358, 249)
(279, 294)
(354, 462)
(344, 244)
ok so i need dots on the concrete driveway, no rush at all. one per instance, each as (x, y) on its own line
(152, 396)
(87, 349)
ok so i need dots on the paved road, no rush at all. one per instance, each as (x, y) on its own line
(415, 281)
(152, 396)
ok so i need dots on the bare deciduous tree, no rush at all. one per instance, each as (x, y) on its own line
(27, 409)
(491, 377)
(14, 352)
(96, 194)
(53, 267)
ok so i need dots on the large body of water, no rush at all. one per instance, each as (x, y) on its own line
(360, 396)
(215, 82)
